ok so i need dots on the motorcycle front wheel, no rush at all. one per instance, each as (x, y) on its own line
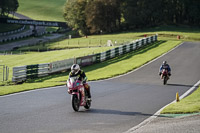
(165, 80)
(75, 103)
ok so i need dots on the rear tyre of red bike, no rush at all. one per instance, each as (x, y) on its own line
(75, 103)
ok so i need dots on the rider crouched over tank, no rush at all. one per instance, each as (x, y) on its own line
(77, 72)
(165, 66)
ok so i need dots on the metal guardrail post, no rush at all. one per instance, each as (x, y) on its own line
(7, 73)
(3, 71)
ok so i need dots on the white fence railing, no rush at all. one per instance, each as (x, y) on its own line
(23, 73)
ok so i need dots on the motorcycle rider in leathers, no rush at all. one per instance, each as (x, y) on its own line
(77, 72)
(165, 66)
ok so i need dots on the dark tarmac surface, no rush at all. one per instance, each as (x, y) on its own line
(118, 104)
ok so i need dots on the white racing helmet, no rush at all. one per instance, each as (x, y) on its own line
(164, 62)
(75, 68)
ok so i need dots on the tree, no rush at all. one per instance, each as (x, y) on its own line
(93, 16)
(103, 15)
(142, 13)
(74, 14)
(8, 6)
(13, 5)
(191, 12)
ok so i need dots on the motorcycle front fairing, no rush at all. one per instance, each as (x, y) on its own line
(164, 73)
(72, 84)
(75, 87)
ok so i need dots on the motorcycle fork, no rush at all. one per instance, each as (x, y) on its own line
(82, 97)
(77, 94)
(161, 77)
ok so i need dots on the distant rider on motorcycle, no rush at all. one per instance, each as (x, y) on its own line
(165, 66)
(77, 72)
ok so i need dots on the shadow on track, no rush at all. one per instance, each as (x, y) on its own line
(182, 85)
(116, 112)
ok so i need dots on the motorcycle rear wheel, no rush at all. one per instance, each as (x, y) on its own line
(75, 103)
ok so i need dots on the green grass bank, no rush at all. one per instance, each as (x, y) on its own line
(190, 104)
(50, 10)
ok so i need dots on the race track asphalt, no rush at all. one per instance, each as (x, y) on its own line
(118, 104)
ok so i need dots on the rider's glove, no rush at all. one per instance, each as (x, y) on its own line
(84, 81)
(68, 91)
(159, 73)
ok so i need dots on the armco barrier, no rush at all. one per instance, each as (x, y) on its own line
(15, 38)
(100, 57)
(58, 66)
(12, 32)
(86, 60)
(23, 73)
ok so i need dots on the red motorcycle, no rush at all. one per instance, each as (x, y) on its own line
(164, 76)
(79, 96)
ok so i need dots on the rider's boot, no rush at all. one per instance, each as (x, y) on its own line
(89, 94)
(87, 88)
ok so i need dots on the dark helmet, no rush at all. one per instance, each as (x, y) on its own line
(75, 68)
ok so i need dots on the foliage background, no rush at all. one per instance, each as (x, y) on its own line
(97, 16)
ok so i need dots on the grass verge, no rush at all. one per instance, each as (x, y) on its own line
(190, 104)
(51, 10)
(118, 65)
